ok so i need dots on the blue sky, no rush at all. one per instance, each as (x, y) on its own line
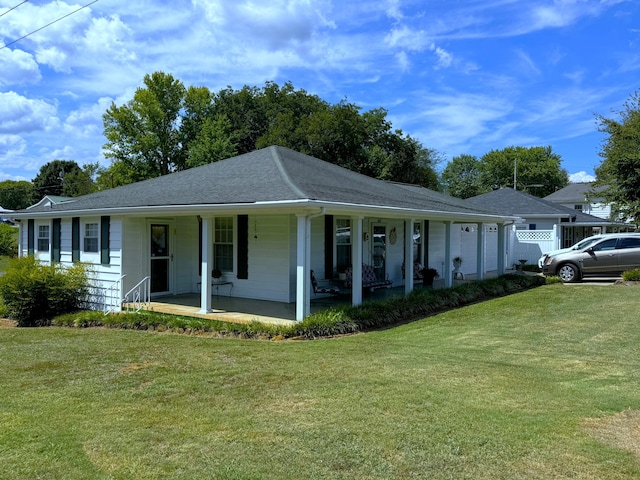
(461, 76)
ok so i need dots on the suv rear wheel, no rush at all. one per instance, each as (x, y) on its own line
(569, 273)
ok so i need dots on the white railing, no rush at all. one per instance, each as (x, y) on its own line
(138, 297)
(112, 300)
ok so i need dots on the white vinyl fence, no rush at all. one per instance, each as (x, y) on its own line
(529, 245)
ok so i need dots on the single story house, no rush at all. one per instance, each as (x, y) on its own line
(261, 222)
(545, 226)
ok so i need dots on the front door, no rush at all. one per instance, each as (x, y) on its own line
(379, 250)
(160, 258)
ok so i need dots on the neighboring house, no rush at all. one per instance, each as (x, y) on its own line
(4, 213)
(546, 225)
(264, 220)
(582, 197)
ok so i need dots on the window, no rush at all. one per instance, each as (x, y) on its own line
(577, 207)
(629, 242)
(606, 245)
(43, 238)
(343, 243)
(91, 232)
(417, 244)
(223, 244)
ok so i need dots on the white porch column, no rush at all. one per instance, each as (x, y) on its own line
(481, 245)
(408, 256)
(502, 253)
(206, 266)
(448, 272)
(356, 260)
(303, 296)
(557, 235)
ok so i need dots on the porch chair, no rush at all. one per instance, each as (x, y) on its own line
(318, 290)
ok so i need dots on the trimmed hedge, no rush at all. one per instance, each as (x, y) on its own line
(327, 323)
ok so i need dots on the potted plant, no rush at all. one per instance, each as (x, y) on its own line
(217, 273)
(428, 275)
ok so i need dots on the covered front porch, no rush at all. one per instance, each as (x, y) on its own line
(246, 310)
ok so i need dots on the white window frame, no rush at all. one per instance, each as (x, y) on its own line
(224, 236)
(86, 237)
(42, 228)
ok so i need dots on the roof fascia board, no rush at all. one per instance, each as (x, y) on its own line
(294, 207)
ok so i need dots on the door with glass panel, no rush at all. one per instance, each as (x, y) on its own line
(160, 258)
(379, 250)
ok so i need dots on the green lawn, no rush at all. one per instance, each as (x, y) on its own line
(498, 390)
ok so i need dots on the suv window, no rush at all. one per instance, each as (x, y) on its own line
(629, 242)
(609, 244)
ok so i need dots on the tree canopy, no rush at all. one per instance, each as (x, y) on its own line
(535, 170)
(16, 195)
(619, 171)
(167, 127)
(462, 177)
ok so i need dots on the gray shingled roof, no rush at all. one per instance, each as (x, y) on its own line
(508, 201)
(573, 193)
(273, 174)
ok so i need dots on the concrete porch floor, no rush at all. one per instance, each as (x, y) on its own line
(245, 310)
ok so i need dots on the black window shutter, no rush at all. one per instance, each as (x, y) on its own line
(55, 240)
(243, 246)
(104, 240)
(75, 239)
(329, 237)
(31, 232)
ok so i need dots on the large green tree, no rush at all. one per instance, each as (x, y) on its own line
(462, 177)
(60, 177)
(16, 195)
(145, 133)
(166, 127)
(535, 170)
(619, 171)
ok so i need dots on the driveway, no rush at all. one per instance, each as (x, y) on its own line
(597, 281)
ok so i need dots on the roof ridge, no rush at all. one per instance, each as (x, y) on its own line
(275, 153)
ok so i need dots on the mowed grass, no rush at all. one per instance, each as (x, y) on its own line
(503, 389)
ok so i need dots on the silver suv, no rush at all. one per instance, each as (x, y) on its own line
(611, 254)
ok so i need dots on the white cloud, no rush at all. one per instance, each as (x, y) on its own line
(444, 58)
(18, 68)
(20, 114)
(580, 177)
(407, 38)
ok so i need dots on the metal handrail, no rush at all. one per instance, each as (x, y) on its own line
(112, 299)
(140, 296)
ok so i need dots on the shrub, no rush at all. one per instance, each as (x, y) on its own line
(631, 275)
(34, 293)
(553, 280)
(8, 240)
(334, 321)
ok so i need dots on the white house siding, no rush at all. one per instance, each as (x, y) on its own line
(135, 252)
(491, 247)
(270, 263)
(468, 249)
(437, 246)
(600, 210)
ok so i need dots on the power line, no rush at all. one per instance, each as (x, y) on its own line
(13, 8)
(47, 25)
